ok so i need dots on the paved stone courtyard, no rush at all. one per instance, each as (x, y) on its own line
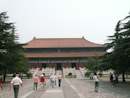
(6, 93)
(84, 86)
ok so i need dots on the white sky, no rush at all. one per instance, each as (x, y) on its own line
(93, 19)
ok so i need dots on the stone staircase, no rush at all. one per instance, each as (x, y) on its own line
(66, 71)
(79, 74)
(59, 72)
(48, 71)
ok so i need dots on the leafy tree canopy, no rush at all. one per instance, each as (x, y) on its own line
(11, 59)
(119, 43)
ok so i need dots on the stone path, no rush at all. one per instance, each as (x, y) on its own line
(38, 93)
(68, 91)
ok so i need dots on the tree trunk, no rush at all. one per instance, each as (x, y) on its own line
(123, 76)
(5, 72)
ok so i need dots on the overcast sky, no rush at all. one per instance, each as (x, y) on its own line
(93, 19)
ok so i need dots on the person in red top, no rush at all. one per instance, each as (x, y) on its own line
(1, 83)
(35, 82)
(42, 81)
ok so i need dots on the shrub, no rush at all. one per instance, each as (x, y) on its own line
(87, 74)
(70, 74)
(29, 75)
(100, 74)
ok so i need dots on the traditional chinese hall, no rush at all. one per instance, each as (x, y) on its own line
(61, 52)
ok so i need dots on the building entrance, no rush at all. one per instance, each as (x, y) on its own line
(73, 65)
(58, 66)
(44, 65)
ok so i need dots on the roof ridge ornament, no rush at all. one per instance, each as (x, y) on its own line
(34, 37)
(83, 37)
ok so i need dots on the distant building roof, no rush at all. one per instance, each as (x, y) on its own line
(60, 43)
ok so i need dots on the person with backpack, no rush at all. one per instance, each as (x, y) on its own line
(52, 79)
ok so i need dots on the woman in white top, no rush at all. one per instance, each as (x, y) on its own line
(95, 77)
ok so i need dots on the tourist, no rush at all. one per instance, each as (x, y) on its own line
(42, 81)
(55, 78)
(114, 79)
(16, 81)
(59, 79)
(1, 83)
(95, 77)
(35, 79)
(111, 79)
(52, 79)
(117, 78)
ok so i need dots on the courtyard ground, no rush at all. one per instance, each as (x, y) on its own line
(71, 88)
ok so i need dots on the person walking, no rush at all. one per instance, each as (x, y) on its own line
(1, 83)
(52, 78)
(16, 81)
(111, 79)
(114, 79)
(59, 79)
(55, 78)
(95, 77)
(42, 81)
(35, 79)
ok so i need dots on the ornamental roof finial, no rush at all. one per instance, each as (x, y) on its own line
(34, 37)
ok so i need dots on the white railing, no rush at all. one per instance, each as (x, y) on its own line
(66, 71)
(83, 70)
(35, 72)
(48, 71)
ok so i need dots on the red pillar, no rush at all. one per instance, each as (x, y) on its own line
(79, 65)
(50, 64)
(67, 64)
(37, 65)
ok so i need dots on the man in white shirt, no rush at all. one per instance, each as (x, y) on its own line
(16, 81)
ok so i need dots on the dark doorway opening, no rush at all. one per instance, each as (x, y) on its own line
(44, 65)
(73, 65)
(58, 66)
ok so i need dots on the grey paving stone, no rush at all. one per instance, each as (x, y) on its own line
(37, 93)
(68, 91)
(86, 87)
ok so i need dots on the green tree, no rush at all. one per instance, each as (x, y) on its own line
(93, 64)
(10, 49)
(119, 57)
